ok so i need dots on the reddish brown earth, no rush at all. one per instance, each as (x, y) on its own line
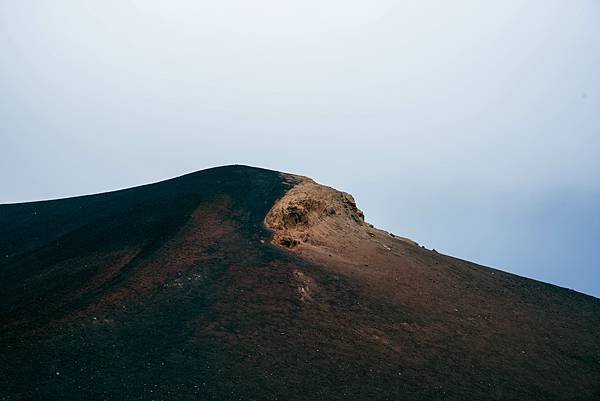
(239, 283)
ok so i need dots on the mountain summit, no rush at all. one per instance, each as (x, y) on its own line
(239, 283)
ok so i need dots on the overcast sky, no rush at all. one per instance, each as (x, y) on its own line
(472, 127)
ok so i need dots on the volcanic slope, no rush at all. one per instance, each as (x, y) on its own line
(238, 283)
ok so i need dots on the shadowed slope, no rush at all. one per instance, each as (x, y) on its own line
(178, 291)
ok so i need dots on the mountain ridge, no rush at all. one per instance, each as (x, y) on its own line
(244, 283)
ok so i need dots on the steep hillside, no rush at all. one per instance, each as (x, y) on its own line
(238, 283)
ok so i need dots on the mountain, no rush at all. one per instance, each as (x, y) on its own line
(238, 283)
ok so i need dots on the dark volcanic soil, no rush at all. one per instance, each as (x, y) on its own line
(179, 291)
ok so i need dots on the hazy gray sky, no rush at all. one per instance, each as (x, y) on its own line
(472, 127)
